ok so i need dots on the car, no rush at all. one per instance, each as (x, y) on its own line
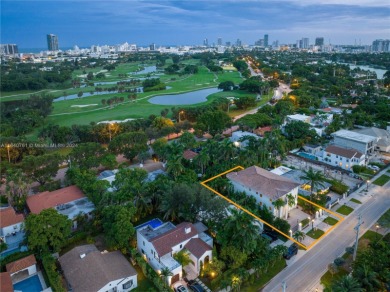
(196, 287)
(292, 251)
(181, 288)
(273, 235)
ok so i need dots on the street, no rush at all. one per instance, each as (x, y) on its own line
(305, 273)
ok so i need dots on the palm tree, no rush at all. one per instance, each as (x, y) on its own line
(165, 273)
(346, 284)
(367, 277)
(278, 204)
(183, 258)
(175, 166)
(290, 200)
(202, 160)
(299, 236)
(316, 178)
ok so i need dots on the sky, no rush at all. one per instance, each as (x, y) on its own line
(189, 22)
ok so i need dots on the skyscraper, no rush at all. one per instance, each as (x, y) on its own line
(266, 40)
(206, 42)
(305, 43)
(319, 41)
(9, 49)
(238, 43)
(219, 41)
(52, 42)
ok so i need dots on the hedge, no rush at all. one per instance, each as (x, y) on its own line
(55, 280)
(149, 272)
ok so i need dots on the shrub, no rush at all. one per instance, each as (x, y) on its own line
(338, 187)
(55, 280)
(339, 262)
(3, 246)
(349, 249)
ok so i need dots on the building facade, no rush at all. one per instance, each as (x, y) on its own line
(344, 158)
(52, 42)
(360, 142)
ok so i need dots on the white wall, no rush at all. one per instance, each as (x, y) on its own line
(118, 284)
(343, 162)
(12, 228)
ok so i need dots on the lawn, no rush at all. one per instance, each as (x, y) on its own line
(355, 201)
(305, 222)
(330, 221)
(380, 181)
(327, 279)
(371, 235)
(384, 221)
(345, 210)
(265, 278)
(317, 233)
(144, 284)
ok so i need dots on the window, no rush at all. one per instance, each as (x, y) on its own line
(143, 251)
(181, 245)
(347, 160)
(128, 284)
(151, 251)
(270, 208)
(261, 195)
(337, 156)
(261, 203)
(257, 193)
(143, 243)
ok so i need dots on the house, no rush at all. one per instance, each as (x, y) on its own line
(158, 243)
(189, 155)
(262, 130)
(26, 265)
(348, 139)
(317, 122)
(345, 158)
(69, 201)
(11, 230)
(10, 223)
(239, 138)
(382, 136)
(304, 185)
(312, 149)
(266, 187)
(6, 282)
(87, 269)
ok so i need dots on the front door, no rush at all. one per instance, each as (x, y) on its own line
(175, 278)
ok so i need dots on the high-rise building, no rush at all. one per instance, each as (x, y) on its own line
(238, 43)
(219, 41)
(266, 40)
(52, 42)
(381, 46)
(319, 41)
(206, 42)
(228, 44)
(305, 43)
(152, 47)
(9, 49)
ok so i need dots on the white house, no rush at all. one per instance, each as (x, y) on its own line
(266, 187)
(348, 139)
(382, 136)
(158, 244)
(317, 122)
(87, 269)
(10, 222)
(238, 138)
(345, 158)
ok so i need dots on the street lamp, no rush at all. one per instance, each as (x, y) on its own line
(312, 224)
(376, 229)
(9, 158)
(367, 185)
(181, 112)
(109, 130)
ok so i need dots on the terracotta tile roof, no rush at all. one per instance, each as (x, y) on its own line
(263, 130)
(263, 181)
(9, 217)
(37, 203)
(197, 247)
(95, 269)
(164, 242)
(349, 153)
(6, 282)
(188, 154)
(21, 264)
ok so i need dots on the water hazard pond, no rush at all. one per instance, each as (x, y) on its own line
(192, 97)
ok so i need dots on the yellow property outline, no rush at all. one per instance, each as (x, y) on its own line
(203, 183)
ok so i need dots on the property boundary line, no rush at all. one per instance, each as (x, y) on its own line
(203, 183)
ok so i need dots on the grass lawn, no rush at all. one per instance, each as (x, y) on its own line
(315, 233)
(305, 222)
(355, 201)
(327, 279)
(345, 210)
(144, 284)
(330, 221)
(371, 235)
(380, 181)
(265, 278)
(384, 221)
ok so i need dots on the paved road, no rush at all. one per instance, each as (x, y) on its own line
(305, 273)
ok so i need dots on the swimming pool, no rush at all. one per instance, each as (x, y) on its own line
(154, 223)
(307, 155)
(32, 284)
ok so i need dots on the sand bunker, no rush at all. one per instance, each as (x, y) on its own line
(84, 105)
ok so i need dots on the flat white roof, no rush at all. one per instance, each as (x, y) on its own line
(350, 135)
(281, 170)
(298, 117)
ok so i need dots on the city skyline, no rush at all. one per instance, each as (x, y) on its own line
(84, 23)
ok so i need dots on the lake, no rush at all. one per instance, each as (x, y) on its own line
(192, 97)
(379, 72)
(146, 70)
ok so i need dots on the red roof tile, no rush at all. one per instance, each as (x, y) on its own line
(21, 264)
(164, 242)
(8, 217)
(37, 203)
(6, 282)
(188, 154)
(197, 247)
